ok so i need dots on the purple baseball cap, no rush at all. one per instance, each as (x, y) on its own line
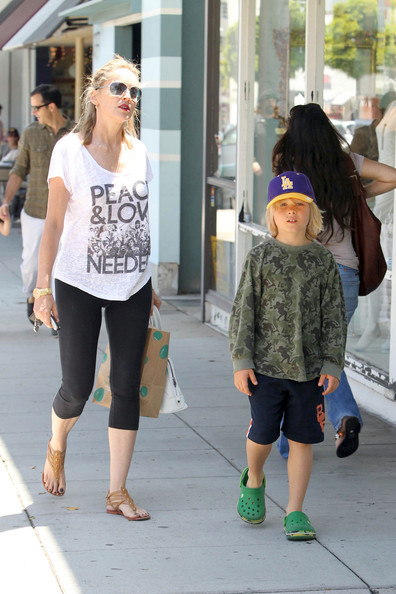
(290, 184)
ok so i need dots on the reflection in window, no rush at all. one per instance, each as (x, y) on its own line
(279, 84)
(223, 241)
(226, 136)
(223, 132)
(360, 99)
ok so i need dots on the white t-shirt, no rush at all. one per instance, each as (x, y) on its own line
(10, 157)
(105, 244)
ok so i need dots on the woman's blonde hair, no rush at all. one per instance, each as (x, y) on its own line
(87, 121)
(315, 223)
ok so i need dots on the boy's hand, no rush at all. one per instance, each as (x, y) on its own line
(241, 380)
(332, 383)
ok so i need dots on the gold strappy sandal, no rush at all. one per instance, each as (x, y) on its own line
(56, 460)
(117, 498)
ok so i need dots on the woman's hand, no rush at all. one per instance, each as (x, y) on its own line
(155, 300)
(43, 307)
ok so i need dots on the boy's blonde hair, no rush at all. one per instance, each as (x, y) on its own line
(315, 223)
(87, 121)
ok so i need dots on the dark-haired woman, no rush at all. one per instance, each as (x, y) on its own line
(313, 146)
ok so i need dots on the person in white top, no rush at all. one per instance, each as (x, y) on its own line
(96, 246)
(12, 153)
(383, 209)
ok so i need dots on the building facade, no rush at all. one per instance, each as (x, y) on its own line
(263, 58)
(219, 78)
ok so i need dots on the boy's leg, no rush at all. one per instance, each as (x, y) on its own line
(257, 454)
(266, 406)
(296, 524)
(251, 502)
(303, 425)
(299, 467)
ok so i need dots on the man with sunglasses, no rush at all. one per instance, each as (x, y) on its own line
(34, 154)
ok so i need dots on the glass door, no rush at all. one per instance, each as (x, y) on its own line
(221, 162)
(279, 84)
(360, 99)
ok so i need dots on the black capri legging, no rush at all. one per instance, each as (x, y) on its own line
(80, 318)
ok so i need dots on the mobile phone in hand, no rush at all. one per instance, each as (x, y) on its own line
(54, 324)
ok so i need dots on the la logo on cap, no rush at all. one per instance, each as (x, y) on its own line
(287, 184)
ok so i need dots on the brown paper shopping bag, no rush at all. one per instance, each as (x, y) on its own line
(153, 377)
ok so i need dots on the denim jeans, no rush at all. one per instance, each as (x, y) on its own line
(341, 402)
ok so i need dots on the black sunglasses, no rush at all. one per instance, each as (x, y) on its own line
(35, 108)
(118, 89)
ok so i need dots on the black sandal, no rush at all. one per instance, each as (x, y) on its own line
(347, 437)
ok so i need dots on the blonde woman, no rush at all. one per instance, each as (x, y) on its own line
(98, 191)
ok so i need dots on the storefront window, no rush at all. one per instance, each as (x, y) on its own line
(222, 147)
(223, 241)
(360, 99)
(279, 84)
(226, 134)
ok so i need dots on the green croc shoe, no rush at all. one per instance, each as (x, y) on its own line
(298, 527)
(251, 503)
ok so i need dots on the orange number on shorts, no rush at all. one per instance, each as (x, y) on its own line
(320, 416)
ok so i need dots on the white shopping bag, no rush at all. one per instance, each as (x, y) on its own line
(173, 399)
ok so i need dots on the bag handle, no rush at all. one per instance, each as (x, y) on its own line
(155, 318)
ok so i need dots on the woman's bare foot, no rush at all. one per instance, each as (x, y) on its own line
(134, 513)
(121, 503)
(53, 477)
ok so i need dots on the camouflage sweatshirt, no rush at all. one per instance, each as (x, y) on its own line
(288, 319)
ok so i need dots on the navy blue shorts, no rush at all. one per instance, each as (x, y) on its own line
(301, 404)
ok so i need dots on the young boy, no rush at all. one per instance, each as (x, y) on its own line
(287, 338)
(5, 220)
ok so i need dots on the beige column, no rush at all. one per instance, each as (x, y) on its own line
(78, 84)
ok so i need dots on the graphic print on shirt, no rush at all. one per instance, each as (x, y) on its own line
(119, 239)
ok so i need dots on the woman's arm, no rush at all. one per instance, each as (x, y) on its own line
(58, 198)
(383, 175)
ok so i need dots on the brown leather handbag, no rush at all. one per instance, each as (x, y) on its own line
(366, 232)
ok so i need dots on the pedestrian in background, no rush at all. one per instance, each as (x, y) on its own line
(98, 191)
(8, 160)
(12, 144)
(313, 146)
(34, 153)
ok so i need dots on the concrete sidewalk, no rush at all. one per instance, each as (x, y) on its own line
(186, 472)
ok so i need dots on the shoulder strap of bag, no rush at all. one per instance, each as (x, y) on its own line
(357, 186)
